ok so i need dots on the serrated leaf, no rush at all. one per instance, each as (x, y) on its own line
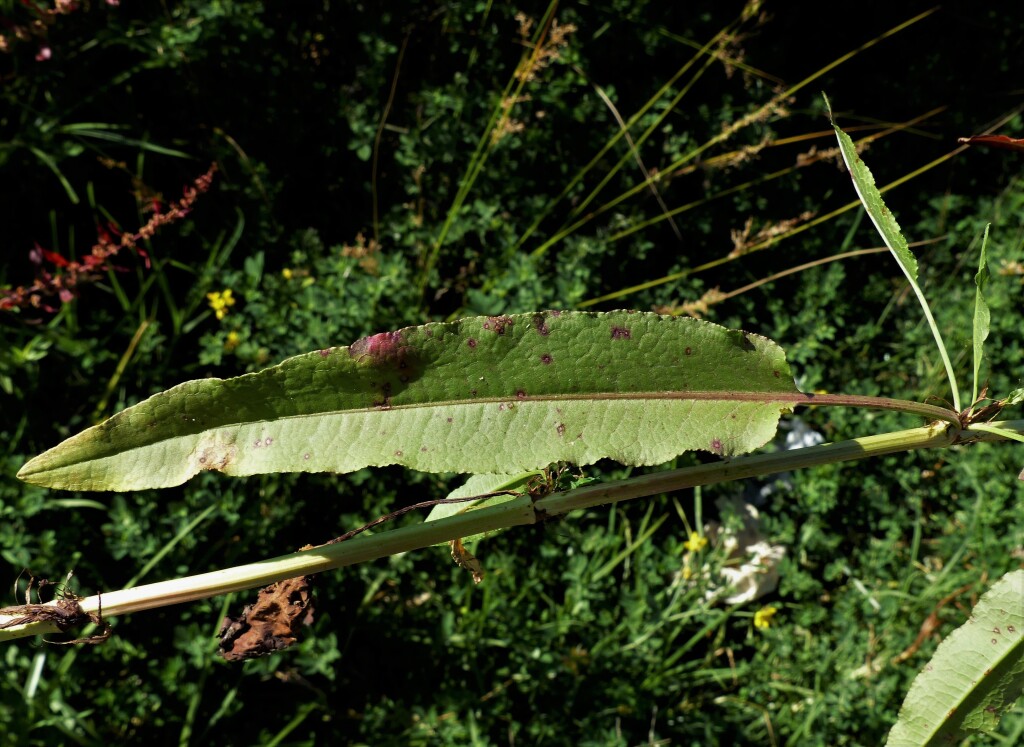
(488, 394)
(871, 198)
(975, 676)
(982, 317)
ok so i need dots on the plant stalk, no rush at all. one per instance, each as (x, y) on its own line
(516, 512)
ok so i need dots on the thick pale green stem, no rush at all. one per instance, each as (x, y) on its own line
(517, 512)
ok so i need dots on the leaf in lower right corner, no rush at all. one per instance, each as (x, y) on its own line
(975, 676)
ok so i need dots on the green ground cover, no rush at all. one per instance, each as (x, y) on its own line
(383, 168)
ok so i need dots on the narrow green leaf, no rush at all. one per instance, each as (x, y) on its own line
(489, 394)
(889, 229)
(975, 676)
(985, 428)
(871, 198)
(982, 318)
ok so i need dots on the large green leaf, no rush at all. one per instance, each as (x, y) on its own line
(975, 676)
(488, 394)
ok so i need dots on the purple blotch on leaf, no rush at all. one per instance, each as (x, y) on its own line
(561, 429)
(521, 393)
(471, 342)
(384, 347)
(716, 445)
(620, 333)
(546, 358)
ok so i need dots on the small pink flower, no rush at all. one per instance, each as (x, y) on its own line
(43, 54)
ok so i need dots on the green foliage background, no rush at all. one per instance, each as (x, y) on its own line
(584, 631)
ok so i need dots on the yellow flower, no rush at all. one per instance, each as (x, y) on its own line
(232, 341)
(696, 543)
(763, 617)
(287, 273)
(220, 301)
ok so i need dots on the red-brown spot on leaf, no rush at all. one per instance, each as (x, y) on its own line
(620, 333)
(471, 342)
(498, 324)
(689, 351)
(546, 359)
(716, 445)
(521, 393)
(560, 429)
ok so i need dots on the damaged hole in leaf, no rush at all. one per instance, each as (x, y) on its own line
(271, 623)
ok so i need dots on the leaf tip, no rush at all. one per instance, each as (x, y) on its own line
(828, 108)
